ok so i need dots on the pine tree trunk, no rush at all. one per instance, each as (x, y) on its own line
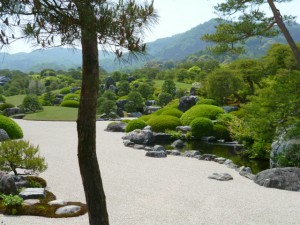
(284, 30)
(86, 122)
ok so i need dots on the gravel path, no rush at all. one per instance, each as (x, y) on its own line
(147, 191)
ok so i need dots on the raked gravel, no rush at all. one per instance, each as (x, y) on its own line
(149, 191)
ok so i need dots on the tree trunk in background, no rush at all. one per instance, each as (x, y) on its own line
(284, 30)
(86, 122)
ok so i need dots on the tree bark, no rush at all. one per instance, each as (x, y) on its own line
(284, 30)
(86, 122)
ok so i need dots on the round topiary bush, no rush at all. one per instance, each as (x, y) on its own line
(208, 111)
(172, 112)
(65, 90)
(201, 126)
(70, 103)
(163, 122)
(13, 130)
(135, 124)
(221, 132)
(207, 101)
(72, 96)
(146, 117)
(6, 106)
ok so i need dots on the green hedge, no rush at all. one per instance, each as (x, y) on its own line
(172, 112)
(207, 101)
(221, 132)
(163, 122)
(70, 104)
(6, 106)
(135, 124)
(208, 111)
(201, 126)
(13, 130)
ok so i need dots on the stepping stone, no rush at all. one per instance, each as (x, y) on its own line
(221, 176)
(32, 193)
(57, 202)
(68, 210)
(30, 202)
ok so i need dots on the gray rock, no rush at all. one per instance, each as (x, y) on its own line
(161, 137)
(221, 176)
(32, 193)
(246, 172)
(30, 202)
(178, 144)
(158, 148)
(7, 184)
(139, 147)
(121, 103)
(147, 128)
(116, 127)
(156, 154)
(150, 102)
(3, 135)
(229, 163)
(173, 152)
(134, 114)
(183, 129)
(208, 157)
(148, 148)
(220, 160)
(230, 108)
(151, 109)
(128, 143)
(18, 116)
(142, 137)
(187, 102)
(57, 202)
(11, 111)
(68, 210)
(281, 178)
(191, 153)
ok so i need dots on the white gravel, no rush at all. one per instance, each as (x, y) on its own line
(147, 191)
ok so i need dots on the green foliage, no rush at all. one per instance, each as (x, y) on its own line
(110, 95)
(169, 87)
(146, 117)
(135, 124)
(2, 99)
(290, 157)
(123, 88)
(13, 130)
(21, 154)
(11, 200)
(208, 111)
(225, 119)
(172, 112)
(47, 98)
(163, 122)
(221, 132)
(201, 126)
(31, 104)
(135, 102)
(6, 106)
(207, 101)
(164, 99)
(70, 103)
(65, 90)
(72, 96)
(107, 106)
(145, 90)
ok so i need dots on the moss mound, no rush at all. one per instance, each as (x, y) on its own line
(201, 126)
(70, 104)
(13, 130)
(221, 132)
(207, 111)
(135, 124)
(163, 122)
(172, 112)
(207, 101)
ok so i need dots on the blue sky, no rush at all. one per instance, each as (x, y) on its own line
(177, 16)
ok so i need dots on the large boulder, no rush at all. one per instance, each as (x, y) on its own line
(281, 178)
(116, 127)
(7, 184)
(3, 135)
(187, 102)
(12, 111)
(178, 144)
(162, 137)
(151, 109)
(142, 137)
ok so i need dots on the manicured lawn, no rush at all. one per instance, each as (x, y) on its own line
(54, 113)
(159, 83)
(16, 99)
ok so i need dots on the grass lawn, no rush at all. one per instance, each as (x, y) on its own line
(16, 99)
(159, 83)
(54, 113)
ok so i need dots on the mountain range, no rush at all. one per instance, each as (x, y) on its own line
(173, 48)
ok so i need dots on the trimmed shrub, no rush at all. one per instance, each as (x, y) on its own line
(208, 111)
(13, 130)
(207, 101)
(135, 124)
(201, 126)
(221, 132)
(6, 106)
(2, 98)
(225, 119)
(172, 112)
(70, 104)
(72, 96)
(65, 90)
(163, 122)
(31, 104)
(146, 117)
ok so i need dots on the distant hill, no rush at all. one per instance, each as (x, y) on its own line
(173, 48)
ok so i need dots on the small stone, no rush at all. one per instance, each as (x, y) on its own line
(139, 147)
(32, 193)
(221, 176)
(158, 148)
(57, 202)
(208, 157)
(175, 152)
(220, 160)
(30, 202)
(68, 210)
(156, 154)
(191, 154)
(148, 148)
(178, 144)
(128, 143)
